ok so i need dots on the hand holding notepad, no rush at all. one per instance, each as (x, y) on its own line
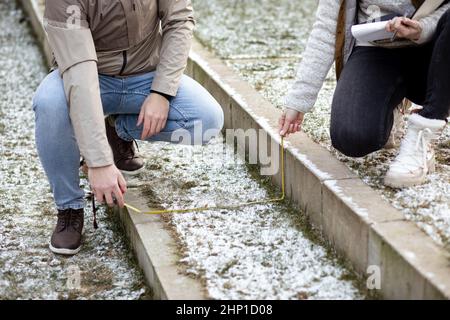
(376, 33)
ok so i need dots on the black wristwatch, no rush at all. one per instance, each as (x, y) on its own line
(168, 97)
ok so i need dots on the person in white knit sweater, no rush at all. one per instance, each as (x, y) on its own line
(374, 81)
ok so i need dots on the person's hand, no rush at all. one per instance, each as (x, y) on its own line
(406, 28)
(106, 183)
(153, 115)
(290, 122)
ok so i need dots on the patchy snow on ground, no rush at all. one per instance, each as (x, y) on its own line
(28, 270)
(263, 40)
(256, 252)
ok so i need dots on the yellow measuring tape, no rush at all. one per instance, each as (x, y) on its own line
(220, 207)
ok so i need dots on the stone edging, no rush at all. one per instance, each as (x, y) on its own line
(31, 7)
(156, 252)
(359, 224)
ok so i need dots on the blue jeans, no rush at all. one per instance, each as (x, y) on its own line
(192, 108)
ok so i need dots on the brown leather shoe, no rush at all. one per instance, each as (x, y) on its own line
(125, 156)
(66, 238)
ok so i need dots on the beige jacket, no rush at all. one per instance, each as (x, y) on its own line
(114, 37)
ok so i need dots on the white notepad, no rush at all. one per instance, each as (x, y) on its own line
(376, 31)
(369, 32)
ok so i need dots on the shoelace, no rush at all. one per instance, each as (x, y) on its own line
(94, 211)
(63, 222)
(421, 139)
(91, 196)
(133, 154)
(70, 218)
(407, 159)
(130, 154)
(75, 220)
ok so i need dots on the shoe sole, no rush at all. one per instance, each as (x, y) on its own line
(133, 173)
(398, 183)
(65, 252)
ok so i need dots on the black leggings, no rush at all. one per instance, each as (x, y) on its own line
(376, 80)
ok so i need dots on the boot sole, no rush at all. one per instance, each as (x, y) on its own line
(399, 183)
(132, 173)
(65, 252)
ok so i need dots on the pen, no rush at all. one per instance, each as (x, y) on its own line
(395, 33)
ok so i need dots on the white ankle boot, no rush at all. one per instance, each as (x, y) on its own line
(416, 157)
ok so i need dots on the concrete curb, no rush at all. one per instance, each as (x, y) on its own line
(356, 220)
(32, 8)
(156, 252)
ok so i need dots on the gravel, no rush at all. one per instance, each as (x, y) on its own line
(256, 252)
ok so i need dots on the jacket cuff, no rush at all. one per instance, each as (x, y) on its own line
(164, 86)
(99, 162)
(426, 35)
(300, 105)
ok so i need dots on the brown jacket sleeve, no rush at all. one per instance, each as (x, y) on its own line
(71, 41)
(177, 21)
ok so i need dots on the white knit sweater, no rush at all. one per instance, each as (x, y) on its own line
(318, 56)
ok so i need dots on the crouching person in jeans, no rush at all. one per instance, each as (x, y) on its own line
(120, 58)
(374, 81)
